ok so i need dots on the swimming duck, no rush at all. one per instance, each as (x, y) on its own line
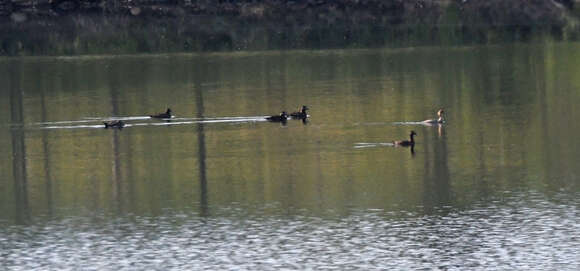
(280, 118)
(436, 121)
(166, 115)
(300, 114)
(114, 124)
(406, 143)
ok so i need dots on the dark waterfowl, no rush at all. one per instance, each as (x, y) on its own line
(166, 115)
(300, 114)
(439, 120)
(114, 124)
(407, 143)
(280, 118)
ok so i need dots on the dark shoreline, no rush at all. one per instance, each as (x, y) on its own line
(61, 27)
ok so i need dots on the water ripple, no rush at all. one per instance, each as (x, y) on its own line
(536, 235)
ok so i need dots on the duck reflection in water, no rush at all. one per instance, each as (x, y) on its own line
(407, 143)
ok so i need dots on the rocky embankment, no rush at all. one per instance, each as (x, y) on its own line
(392, 12)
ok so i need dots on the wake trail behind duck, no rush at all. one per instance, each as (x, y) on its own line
(416, 123)
(360, 145)
(170, 122)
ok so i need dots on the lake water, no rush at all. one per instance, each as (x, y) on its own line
(497, 187)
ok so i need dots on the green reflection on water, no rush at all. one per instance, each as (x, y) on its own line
(511, 112)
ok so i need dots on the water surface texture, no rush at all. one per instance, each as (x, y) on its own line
(218, 187)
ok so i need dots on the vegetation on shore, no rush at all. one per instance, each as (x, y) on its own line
(66, 27)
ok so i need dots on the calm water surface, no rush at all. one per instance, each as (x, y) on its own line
(218, 187)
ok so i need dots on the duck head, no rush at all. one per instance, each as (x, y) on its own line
(440, 112)
(304, 108)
